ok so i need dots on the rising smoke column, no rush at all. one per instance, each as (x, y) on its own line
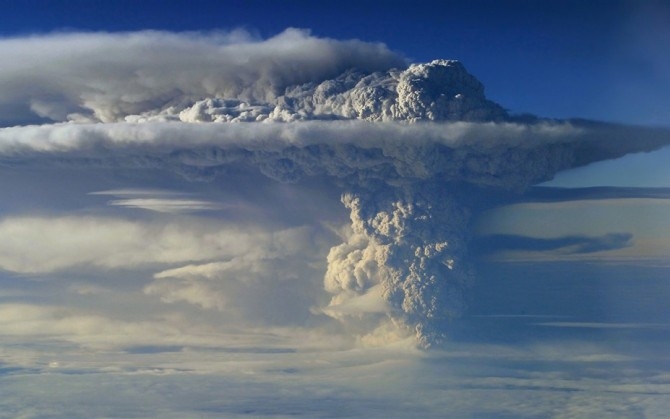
(410, 235)
(410, 241)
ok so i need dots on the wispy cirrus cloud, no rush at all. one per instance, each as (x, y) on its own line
(159, 201)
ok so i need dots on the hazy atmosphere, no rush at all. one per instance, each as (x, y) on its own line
(270, 209)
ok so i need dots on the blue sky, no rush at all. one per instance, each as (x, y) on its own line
(156, 261)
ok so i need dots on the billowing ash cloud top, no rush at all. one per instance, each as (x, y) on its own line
(440, 90)
(106, 77)
(229, 77)
(414, 150)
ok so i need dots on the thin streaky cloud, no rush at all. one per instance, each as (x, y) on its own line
(168, 205)
(133, 192)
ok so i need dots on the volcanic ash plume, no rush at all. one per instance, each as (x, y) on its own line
(413, 247)
(413, 151)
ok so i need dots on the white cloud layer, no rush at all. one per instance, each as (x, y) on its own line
(47, 244)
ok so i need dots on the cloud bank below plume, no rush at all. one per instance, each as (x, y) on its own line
(413, 152)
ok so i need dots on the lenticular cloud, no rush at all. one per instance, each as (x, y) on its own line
(413, 150)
